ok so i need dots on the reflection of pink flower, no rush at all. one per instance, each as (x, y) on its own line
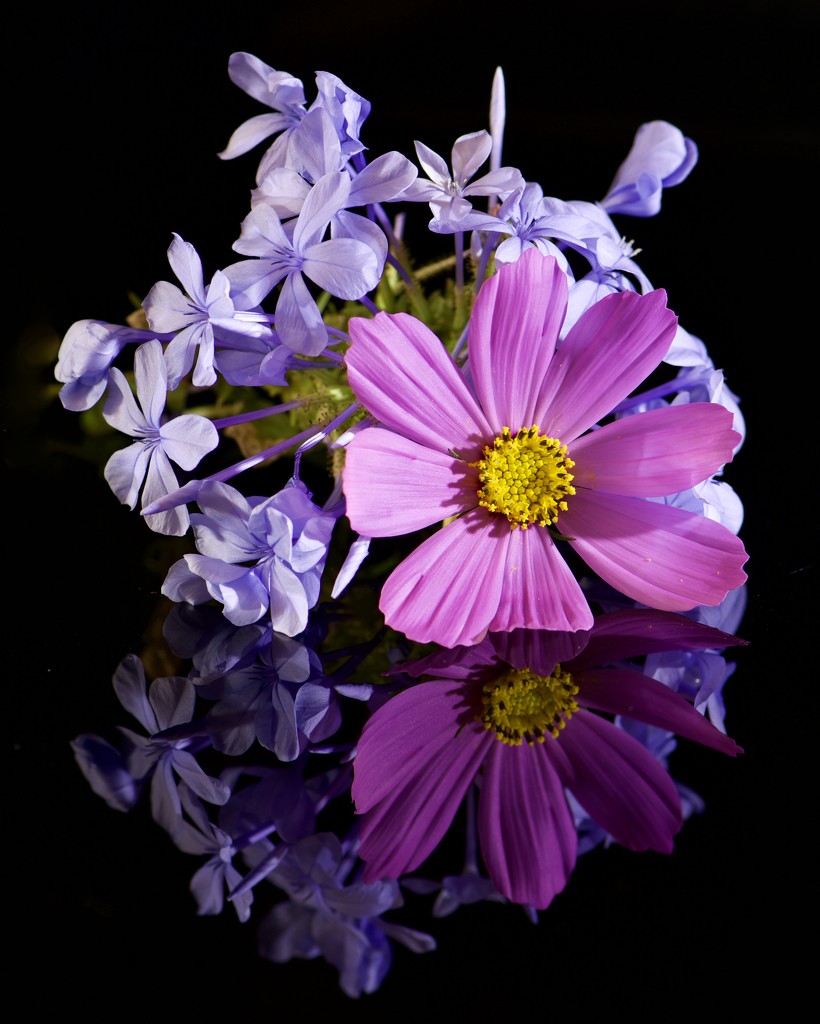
(503, 710)
(510, 460)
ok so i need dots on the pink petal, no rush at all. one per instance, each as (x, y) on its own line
(528, 837)
(635, 695)
(448, 590)
(618, 783)
(416, 759)
(538, 649)
(612, 348)
(513, 331)
(655, 453)
(403, 375)
(539, 590)
(394, 486)
(632, 632)
(657, 554)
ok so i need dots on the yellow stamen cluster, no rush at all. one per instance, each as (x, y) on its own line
(523, 706)
(525, 477)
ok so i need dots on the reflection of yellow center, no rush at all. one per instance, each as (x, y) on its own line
(525, 477)
(523, 706)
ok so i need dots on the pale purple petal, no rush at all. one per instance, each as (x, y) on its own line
(150, 378)
(299, 322)
(251, 132)
(187, 266)
(659, 555)
(345, 267)
(433, 165)
(125, 472)
(355, 556)
(205, 787)
(187, 439)
(288, 600)
(469, 153)
(527, 833)
(382, 180)
(394, 486)
(160, 480)
(655, 453)
(403, 375)
(325, 199)
(120, 409)
(240, 590)
(181, 584)
(168, 308)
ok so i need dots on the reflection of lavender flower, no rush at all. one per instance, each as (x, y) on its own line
(283, 700)
(218, 876)
(329, 917)
(118, 777)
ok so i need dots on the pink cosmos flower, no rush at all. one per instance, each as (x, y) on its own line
(505, 713)
(513, 462)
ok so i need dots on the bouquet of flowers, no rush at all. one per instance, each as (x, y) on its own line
(451, 564)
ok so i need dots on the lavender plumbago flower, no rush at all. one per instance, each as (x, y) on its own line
(347, 268)
(282, 92)
(278, 90)
(159, 442)
(202, 316)
(447, 191)
(661, 156)
(85, 357)
(329, 916)
(285, 540)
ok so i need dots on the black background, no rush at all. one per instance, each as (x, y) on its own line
(113, 122)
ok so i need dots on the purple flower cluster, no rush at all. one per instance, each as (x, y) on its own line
(498, 582)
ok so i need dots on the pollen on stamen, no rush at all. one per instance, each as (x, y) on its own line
(521, 706)
(525, 477)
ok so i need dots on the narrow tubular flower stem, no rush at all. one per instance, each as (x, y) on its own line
(322, 433)
(459, 242)
(259, 414)
(188, 492)
(486, 251)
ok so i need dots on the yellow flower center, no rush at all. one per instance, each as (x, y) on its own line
(523, 706)
(525, 477)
